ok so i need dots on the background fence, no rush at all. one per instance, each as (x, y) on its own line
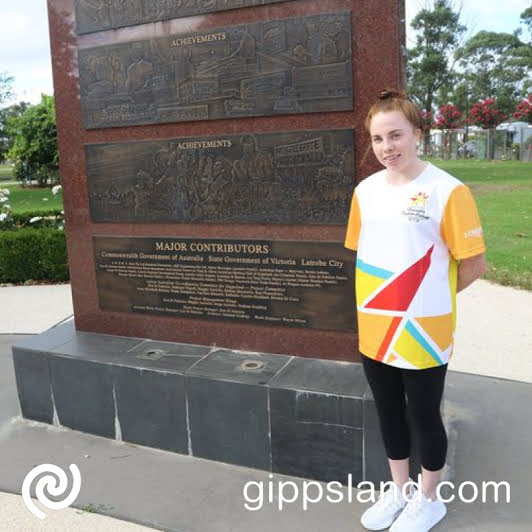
(514, 144)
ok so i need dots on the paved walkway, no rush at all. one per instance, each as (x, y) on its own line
(494, 332)
(15, 517)
(185, 494)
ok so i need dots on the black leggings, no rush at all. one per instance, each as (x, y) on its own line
(423, 388)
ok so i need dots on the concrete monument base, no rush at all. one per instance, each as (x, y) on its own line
(298, 416)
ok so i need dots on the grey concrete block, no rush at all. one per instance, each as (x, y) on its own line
(96, 347)
(83, 394)
(166, 356)
(238, 366)
(326, 376)
(315, 435)
(151, 408)
(229, 421)
(53, 337)
(33, 384)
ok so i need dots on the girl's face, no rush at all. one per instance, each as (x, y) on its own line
(394, 141)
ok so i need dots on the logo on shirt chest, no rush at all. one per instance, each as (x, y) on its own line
(417, 208)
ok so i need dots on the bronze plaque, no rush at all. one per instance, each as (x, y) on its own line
(96, 15)
(299, 65)
(283, 283)
(285, 177)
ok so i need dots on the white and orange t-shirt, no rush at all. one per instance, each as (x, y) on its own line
(409, 239)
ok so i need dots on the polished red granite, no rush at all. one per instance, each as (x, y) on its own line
(378, 62)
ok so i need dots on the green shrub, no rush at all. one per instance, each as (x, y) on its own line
(33, 254)
(49, 218)
(53, 218)
(54, 256)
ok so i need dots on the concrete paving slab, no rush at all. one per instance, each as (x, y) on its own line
(494, 332)
(33, 309)
(14, 517)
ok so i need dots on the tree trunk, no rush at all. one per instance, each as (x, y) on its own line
(426, 143)
(426, 136)
(450, 144)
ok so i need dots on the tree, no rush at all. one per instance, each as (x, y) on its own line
(487, 115)
(430, 61)
(523, 110)
(34, 148)
(448, 119)
(6, 90)
(7, 114)
(496, 65)
(426, 120)
(526, 18)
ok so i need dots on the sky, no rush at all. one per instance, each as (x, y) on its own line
(25, 46)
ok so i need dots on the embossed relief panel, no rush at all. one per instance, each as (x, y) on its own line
(96, 15)
(299, 65)
(282, 177)
(282, 283)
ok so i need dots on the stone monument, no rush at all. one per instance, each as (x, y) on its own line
(208, 153)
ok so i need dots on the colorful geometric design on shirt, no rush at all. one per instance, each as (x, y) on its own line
(419, 199)
(453, 284)
(415, 349)
(400, 292)
(372, 329)
(373, 270)
(369, 278)
(390, 333)
(391, 358)
(438, 328)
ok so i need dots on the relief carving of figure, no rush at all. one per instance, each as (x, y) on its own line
(118, 74)
(343, 41)
(254, 164)
(246, 45)
(138, 72)
(97, 10)
(143, 193)
(99, 76)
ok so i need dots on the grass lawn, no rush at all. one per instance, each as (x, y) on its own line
(6, 171)
(30, 199)
(503, 192)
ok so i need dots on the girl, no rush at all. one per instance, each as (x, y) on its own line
(418, 238)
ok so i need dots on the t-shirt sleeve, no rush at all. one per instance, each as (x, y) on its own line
(353, 225)
(460, 227)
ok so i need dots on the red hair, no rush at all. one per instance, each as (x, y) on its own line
(393, 100)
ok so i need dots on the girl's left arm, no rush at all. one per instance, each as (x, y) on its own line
(470, 269)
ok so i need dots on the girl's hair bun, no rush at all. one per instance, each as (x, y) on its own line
(391, 93)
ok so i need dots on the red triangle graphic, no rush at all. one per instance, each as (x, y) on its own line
(383, 349)
(399, 293)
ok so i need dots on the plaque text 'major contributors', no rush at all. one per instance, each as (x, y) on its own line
(282, 283)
